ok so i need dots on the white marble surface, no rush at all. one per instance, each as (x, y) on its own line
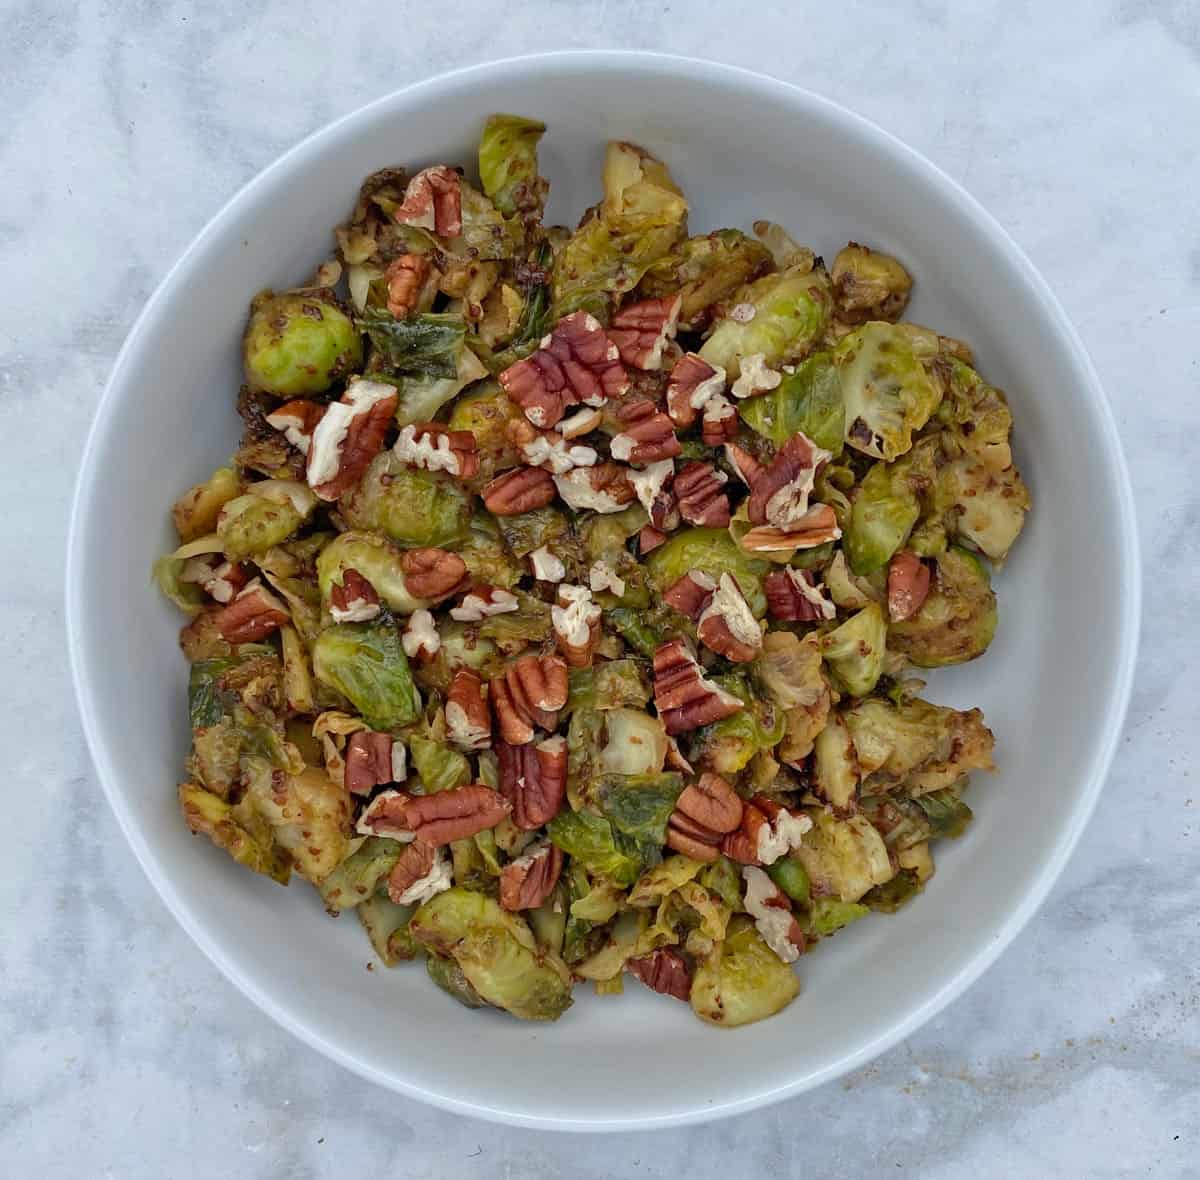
(128, 124)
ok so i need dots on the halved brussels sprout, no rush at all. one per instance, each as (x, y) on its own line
(358, 876)
(366, 663)
(430, 345)
(869, 285)
(486, 412)
(844, 856)
(439, 766)
(386, 924)
(888, 392)
(614, 684)
(449, 976)
(808, 400)
(827, 915)
(634, 743)
(886, 506)
(195, 513)
(743, 980)
(412, 507)
(374, 559)
(728, 745)
(508, 165)
(638, 806)
(592, 841)
(985, 508)
(656, 883)
(247, 837)
(489, 560)
(299, 343)
(266, 516)
(543, 527)
(958, 619)
(836, 767)
(714, 552)
(891, 895)
(855, 650)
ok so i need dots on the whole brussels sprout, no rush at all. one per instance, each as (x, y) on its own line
(869, 285)
(412, 507)
(366, 663)
(299, 343)
(743, 980)
(958, 618)
(376, 560)
(855, 650)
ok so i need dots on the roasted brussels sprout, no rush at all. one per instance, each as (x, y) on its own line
(855, 650)
(411, 507)
(714, 552)
(357, 878)
(869, 285)
(195, 513)
(743, 980)
(845, 857)
(266, 516)
(885, 507)
(374, 559)
(386, 924)
(958, 619)
(508, 164)
(808, 400)
(365, 662)
(298, 343)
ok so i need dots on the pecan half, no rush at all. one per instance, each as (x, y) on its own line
(664, 971)
(405, 278)
(435, 447)
(690, 594)
(386, 815)
(650, 538)
(684, 697)
(641, 330)
(521, 490)
(692, 383)
(747, 467)
(793, 596)
(576, 363)
(481, 602)
(768, 831)
(771, 910)
(349, 435)
(907, 585)
(654, 491)
(576, 622)
(372, 759)
(533, 778)
(700, 492)
(705, 812)
(354, 600)
(528, 695)
(297, 420)
(432, 574)
(779, 496)
(720, 422)
(603, 488)
(254, 614)
(817, 526)
(727, 625)
(455, 814)
(527, 881)
(433, 201)
(648, 435)
(421, 872)
(420, 639)
(468, 719)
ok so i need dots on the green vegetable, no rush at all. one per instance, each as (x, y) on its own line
(245, 836)
(508, 164)
(726, 746)
(869, 285)
(789, 874)
(958, 619)
(714, 552)
(528, 531)
(640, 630)
(614, 684)
(250, 525)
(724, 879)
(422, 395)
(373, 558)
(530, 622)
(885, 507)
(358, 876)
(843, 856)
(449, 976)
(366, 663)
(808, 400)
(743, 980)
(592, 841)
(891, 895)
(411, 507)
(639, 805)
(386, 925)
(299, 343)
(855, 650)
(827, 915)
(439, 767)
(948, 815)
(195, 512)
(835, 765)
(431, 345)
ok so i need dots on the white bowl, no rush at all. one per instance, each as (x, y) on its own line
(1053, 686)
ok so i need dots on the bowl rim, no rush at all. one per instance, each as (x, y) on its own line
(1036, 889)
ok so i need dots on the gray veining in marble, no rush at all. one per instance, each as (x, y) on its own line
(128, 124)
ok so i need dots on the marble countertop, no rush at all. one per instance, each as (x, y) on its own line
(128, 124)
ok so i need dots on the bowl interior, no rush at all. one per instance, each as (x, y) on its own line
(1052, 686)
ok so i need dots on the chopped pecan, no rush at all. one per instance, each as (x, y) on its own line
(720, 423)
(771, 910)
(727, 625)
(779, 496)
(405, 278)
(817, 526)
(546, 566)
(354, 600)
(755, 377)
(527, 881)
(481, 602)
(527, 695)
(349, 435)
(705, 812)
(650, 538)
(433, 201)
(648, 435)
(582, 422)
(254, 614)
(421, 872)
(421, 640)
(676, 759)
(576, 621)
(748, 468)
(692, 384)
(768, 831)
(533, 778)
(603, 577)
(653, 488)
(700, 491)
(220, 580)
(641, 330)
(297, 420)
(907, 585)
(549, 448)
(793, 596)
(684, 697)
(576, 363)
(603, 488)
(521, 490)
(438, 448)
(372, 759)
(386, 815)
(468, 719)
(432, 574)
(665, 971)
(455, 814)
(690, 594)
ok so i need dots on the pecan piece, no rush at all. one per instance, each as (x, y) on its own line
(779, 496)
(405, 277)
(727, 625)
(692, 383)
(748, 468)
(421, 872)
(684, 697)
(373, 759)
(549, 448)
(793, 596)
(527, 881)
(603, 488)
(421, 640)
(650, 538)
(720, 422)
(455, 814)
(907, 585)
(700, 491)
(521, 490)
(641, 330)
(817, 526)
(755, 376)
(705, 812)
(254, 614)
(220, 580)
(690, 594)
(433, 201)
(386, 815)
(768, 831)
(349, 435)
(435, 447)
(771, 910)
(648, 435)
(481, 602)
(432, 574)
(468, 719)
(546, 566)
(653, 488)
(582, 422)
(528, 695)
(297, 420)
(576, 363)
(533, 778)
(664, 971)
(576, 622)
(354, 600)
